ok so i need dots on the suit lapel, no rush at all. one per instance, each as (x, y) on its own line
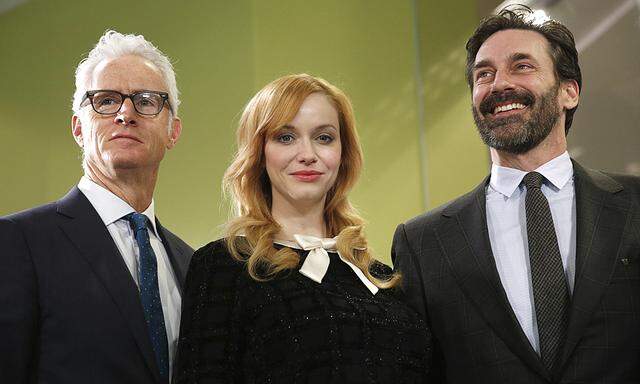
(601, 220)
(464, 238)
(179, 261)
(88, 233)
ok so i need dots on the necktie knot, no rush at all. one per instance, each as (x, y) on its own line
(137, 220)
(533, 180)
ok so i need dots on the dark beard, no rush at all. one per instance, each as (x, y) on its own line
(515, 134)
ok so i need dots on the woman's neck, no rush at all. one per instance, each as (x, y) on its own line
(299, 220)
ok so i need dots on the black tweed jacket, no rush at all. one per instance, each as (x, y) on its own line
(293, 330)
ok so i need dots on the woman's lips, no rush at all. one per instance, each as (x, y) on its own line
(307, 176)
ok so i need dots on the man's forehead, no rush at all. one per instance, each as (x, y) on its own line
(134, 70)
(509, 43)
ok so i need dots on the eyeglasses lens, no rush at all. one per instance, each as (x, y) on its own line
(145, 103)
(107, 102)
(148, 103)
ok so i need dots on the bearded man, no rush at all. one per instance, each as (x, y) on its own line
(534, 276)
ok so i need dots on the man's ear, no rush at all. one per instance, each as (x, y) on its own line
(176, 130)
(569, 94)
(76, 129)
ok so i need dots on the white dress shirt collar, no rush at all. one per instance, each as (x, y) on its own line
(506, 180)
(110, 207)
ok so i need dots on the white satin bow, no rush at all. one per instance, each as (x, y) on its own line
(317, 262)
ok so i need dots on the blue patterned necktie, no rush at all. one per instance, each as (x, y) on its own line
(149, 292)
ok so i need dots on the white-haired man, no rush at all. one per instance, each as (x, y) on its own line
(90, 285)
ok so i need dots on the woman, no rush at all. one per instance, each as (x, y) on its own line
(292, 293)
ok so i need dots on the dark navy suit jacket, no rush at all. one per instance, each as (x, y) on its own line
(70, 311)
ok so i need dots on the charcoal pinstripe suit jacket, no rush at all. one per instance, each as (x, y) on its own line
(449, 275)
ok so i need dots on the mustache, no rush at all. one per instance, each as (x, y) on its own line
(489, 104)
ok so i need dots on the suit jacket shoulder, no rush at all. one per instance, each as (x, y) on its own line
(434, 215)
(31, 217)
(630, 183)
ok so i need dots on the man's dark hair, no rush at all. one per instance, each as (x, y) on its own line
(562, 45)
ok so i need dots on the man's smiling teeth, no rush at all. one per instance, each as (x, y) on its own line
(508, 107)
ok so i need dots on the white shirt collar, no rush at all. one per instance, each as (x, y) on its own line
(110, 207)
(558, 171)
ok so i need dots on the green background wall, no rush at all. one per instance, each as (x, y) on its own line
(402, 63)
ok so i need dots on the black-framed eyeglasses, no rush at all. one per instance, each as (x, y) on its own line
(109, 102)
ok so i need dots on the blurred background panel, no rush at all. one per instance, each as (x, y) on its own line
(401, 62)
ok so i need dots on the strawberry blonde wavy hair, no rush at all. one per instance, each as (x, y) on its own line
(251, 232)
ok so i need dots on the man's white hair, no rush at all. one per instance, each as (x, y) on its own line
(113, 45)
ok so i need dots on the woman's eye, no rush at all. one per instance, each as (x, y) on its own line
(285, 138)
(325, 138)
